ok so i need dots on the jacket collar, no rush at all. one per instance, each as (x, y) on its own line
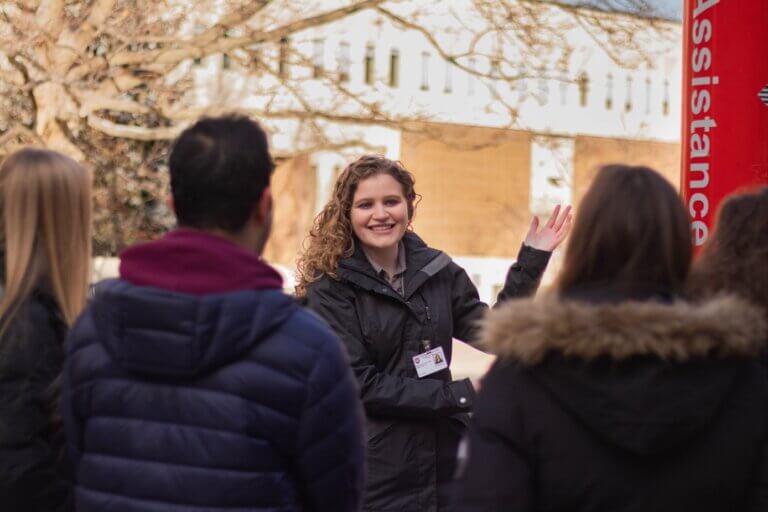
(197, 262)
(400, 265)
(422, 262)
(527, 331)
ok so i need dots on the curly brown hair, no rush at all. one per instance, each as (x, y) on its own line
(331, 237)
(736, 257)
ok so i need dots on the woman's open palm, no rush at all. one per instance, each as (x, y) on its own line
(553, 233)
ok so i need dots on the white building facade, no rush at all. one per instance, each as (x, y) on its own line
(581, 91)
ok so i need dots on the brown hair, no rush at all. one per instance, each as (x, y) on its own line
(45, 200)
(331, 237)
(631, 230)
(736, 256)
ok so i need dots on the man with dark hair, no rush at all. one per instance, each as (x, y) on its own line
(213, 182)
(192, 382)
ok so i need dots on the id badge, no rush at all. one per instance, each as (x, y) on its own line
(430, 362)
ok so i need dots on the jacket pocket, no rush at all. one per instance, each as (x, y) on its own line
(377, 430)
(394, 473)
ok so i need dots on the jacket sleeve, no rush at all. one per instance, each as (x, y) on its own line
(331, 439)
(522, 280)
(31, 449)
(383, 394)
(69, 395)
(497, 476)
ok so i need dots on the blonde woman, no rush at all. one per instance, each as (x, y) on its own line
(45, 207)
(397, 304)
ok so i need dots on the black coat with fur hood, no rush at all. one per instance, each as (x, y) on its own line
(604, 402)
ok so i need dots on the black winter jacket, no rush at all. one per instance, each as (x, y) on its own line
(414, 425)
(238, 401)
(31, 442)
(609, 405)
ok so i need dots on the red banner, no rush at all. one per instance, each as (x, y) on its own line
(725, 104)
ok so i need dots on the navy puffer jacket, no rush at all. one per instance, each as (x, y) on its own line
(238, 401)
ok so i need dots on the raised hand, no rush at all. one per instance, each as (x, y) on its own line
(553, 233)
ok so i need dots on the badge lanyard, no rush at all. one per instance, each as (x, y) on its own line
(432, 360)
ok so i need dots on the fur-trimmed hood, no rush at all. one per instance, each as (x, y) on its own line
(647, 376)
(528, 330)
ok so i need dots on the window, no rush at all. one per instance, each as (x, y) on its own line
(368, 64)
(394, 68)
(628, 101)
(425, 71)
(448, 87)
(318, 50)
(648, 95)
(609, 91)
(282, 58)
(343, 61)
(583, 83)
(665, 104)
(471, 77)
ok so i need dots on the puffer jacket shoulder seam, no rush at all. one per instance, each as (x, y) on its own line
(307, 408)
(82, 336)
(191, 506)
(173, 424)
(194, 389)
(180, 465)
(92, 343)
(309, 318)
(328, 395)
(249, 359)
(327, 435)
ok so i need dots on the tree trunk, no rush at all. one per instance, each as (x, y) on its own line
(53, 106)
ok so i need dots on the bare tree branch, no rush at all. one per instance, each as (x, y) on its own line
(113, 81)
(72, 42)
(134, 132)
(203, 46)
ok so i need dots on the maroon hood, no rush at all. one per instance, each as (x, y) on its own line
(196, 262)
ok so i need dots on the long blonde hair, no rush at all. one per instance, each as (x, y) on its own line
(331, 237)
(45, 205)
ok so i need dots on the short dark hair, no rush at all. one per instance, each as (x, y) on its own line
(630, 230)
(219, 170)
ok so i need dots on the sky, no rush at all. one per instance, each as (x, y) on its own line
(671, 7)
(667, 8)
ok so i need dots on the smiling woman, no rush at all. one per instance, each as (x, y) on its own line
(359, 198)
(397, 304)
(380, 218)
